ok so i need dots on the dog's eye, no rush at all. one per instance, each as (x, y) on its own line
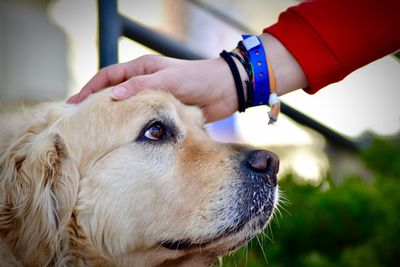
(155, 131)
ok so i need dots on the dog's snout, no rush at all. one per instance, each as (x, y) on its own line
(262, 161)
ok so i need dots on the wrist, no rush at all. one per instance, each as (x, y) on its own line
(243, 74)
(228, 84)
(224, 85)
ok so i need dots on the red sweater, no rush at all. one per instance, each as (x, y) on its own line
(332, 38)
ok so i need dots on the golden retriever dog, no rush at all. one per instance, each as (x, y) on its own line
(130, 183)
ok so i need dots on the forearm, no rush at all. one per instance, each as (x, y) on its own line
(288, 73)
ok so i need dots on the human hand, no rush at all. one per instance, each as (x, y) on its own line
(208, 83)
(205, 83)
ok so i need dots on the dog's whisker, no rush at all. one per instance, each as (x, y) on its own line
(262, 249)
(247, 254)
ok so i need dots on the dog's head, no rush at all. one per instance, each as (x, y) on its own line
(138, 182)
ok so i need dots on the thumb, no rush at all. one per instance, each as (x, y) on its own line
(131, 87)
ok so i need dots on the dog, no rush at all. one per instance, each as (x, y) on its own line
(127, 183)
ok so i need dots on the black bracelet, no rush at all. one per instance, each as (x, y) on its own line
(250, 90)
(238, 81)
(249, 82)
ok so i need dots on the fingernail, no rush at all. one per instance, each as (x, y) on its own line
(119, 92)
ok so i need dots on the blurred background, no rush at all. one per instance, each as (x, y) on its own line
(344, 203)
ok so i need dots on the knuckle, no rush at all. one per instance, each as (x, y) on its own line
(113, 74)
(148, 57)
(104, 71)
(149, 63)
(136, 83)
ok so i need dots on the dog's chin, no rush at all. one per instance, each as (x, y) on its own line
(232, 239)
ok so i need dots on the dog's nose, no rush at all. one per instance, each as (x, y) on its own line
(266, 162)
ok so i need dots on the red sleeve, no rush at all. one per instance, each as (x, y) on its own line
(332, 38)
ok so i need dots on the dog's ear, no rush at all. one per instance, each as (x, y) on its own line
(38, 186)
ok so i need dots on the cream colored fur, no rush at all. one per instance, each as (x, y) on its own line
(77, 187)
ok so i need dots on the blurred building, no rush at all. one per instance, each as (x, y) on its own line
(33, 53)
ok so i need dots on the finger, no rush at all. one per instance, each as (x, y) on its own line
(108, 76)
(73, 99)
(134, 85)
(117, 73)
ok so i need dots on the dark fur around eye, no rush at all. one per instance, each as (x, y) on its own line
(156, 131)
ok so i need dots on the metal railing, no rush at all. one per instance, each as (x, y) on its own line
(113, 25)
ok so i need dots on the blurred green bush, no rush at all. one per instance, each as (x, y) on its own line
(355, 223)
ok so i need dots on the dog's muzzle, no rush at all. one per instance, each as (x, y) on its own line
(248, 200)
